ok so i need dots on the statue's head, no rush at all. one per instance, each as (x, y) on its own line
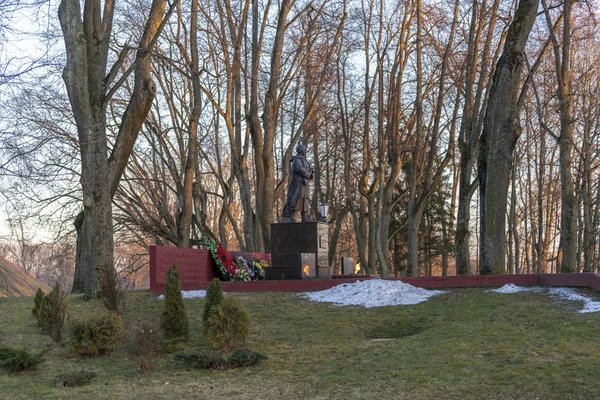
(301, 149)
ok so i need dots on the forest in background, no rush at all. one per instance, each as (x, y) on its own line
(392, 99)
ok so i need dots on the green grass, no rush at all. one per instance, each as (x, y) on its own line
(466, 344)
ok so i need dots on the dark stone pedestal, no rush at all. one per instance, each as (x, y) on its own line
(299, 251)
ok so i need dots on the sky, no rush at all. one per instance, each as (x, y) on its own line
(23, 43)
(4, 231)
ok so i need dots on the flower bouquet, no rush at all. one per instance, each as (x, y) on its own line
(254, 268)
(240, 269)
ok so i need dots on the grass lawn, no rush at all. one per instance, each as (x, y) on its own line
(466, 344)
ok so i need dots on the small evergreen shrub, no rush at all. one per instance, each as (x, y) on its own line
(202, 361)
(228, 324)
(37, 303)
(174, 319)
(97, 334)
(144, 339)
(244, 358)
(16, 360)
(52, 313)
(214, 296)
(74, 379)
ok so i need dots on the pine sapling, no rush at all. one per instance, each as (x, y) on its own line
(228, 325)
(37, 303)
(174, 319)
(52, 313)
(214, 297)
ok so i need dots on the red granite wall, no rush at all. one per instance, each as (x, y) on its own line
(195, 266)
(197, 269)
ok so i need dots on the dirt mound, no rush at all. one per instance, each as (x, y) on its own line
(15, 282)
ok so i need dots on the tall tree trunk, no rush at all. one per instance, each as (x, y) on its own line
(417, 203)
(445, 240)
(239, 152)
(587, 206)
(498, 140)
(568, 197)
(256, 132)
(513, 264)
(265, 159)
(88, 86)
(472, 123)
(414, 213)
(468, 145)
(335, 236)
(86, 44)
(568, 219)
(190, 165)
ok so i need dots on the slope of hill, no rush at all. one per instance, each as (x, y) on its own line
(15, 282)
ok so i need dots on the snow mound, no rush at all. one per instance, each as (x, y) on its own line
(189, 294)
(372, 293)
(512, 288)
(589, 305)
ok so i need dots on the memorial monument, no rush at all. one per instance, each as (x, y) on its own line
(298, 193)
(299, 250)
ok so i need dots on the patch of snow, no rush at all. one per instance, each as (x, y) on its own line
(512, 288)
(189, 294)
(589, 305)
(372, 293)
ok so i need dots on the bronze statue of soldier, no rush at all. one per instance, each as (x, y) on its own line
(298, 190)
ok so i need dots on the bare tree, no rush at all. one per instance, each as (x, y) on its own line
(562, 57)
(499, 137)
(433, 175)
(472, 122)
(90, 87)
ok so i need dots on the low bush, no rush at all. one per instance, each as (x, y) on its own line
(97, 334)
(213, 360)
(174, 319)
(210, 360)
(144, 339)
(244, 358)
(228, 324)
(16, 360)
(214, 297)
(52, 313)
(74, 379)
